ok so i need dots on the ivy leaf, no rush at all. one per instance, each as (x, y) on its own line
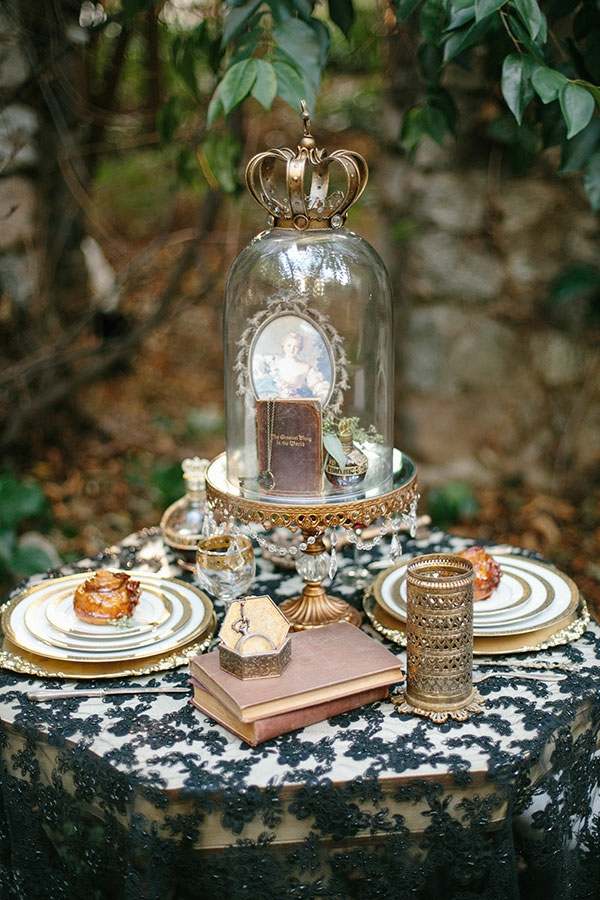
(219, 159)
(29, 561)
(459, 41)
(265, 86)
(290, 85)
(516, 83)
(215, 107)
(300, 43)
(522, 35)
(324, 39)
(547, 83)
(533, 18)
(430, 62)
(424, 120)
(19, 500)
(591, 181)
(593, 89)
(8, 542)
(237, 19)
(432, 20)
(237, 84)
(461, 17)
(405, 9)
(577, 107)
(413, 128)
(342, 13)
(169, 116)
(577, 151)
(485, 8)
(454, 502)
(333, 445)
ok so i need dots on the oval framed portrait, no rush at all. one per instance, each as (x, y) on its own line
(291, 357)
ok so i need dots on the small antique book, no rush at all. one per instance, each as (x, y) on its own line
(289, 446)
(327, 664)
(264, 729)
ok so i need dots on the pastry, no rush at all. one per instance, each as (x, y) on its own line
(487, 571)
(106, 597)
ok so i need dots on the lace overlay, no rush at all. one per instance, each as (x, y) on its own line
(142, 797)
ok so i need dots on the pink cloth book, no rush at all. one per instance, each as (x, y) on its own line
(264, 729)
(327, 664)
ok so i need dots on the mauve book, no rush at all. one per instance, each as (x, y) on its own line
(264, 729)
(327, 663)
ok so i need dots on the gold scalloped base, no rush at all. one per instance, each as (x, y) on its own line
(473, 706)
(314, 608)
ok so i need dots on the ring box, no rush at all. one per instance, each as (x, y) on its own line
(264, 648)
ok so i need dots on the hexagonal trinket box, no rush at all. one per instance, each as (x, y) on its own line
(255, 640)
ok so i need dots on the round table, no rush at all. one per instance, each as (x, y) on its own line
(143, 797)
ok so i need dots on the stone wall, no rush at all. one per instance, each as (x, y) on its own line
(19, 124)
(491, 387)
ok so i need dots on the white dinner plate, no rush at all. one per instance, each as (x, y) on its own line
(153, 609)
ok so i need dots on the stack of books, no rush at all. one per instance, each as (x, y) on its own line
(333, 669)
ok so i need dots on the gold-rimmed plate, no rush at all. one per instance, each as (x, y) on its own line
(155, 605)
(191, 610)
(17, 660)
(536, 596)
(152, 611)
(568, 629)
(180, 614)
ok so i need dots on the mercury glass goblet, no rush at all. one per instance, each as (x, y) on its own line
(225, 565)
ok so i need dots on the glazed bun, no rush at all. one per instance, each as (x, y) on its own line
(487, 571)
(106, 597)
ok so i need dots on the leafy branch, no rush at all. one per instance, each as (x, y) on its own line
(534, 69)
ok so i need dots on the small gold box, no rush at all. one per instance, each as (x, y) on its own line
(254, 639)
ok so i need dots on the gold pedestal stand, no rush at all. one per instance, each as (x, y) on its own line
(314, 607)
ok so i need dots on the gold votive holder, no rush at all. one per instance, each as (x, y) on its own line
(439, 639)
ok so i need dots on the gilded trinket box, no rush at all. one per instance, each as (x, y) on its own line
(254, 639)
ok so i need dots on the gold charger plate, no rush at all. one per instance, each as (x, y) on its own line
(564, 631)
(55, 651)
(17, 660)
(552, 624)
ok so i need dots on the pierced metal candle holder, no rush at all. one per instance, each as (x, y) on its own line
(439, 631)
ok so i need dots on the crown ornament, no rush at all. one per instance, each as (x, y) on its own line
(302, 199)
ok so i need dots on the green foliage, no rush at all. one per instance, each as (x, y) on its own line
(544, 60)
(534, 68)
(452, 503)
(168, 483)
(274, 49)
(20, 502)
(573, 301)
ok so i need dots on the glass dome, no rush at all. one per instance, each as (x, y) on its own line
(308, 343)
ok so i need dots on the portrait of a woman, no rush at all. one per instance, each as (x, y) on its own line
(290, 358)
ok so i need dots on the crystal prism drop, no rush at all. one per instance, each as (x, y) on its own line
(395, 547)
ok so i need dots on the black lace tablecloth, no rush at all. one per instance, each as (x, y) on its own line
(143, 797)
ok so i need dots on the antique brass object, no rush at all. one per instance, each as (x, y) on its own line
(291, 206)
(439, 632)
(254, 640)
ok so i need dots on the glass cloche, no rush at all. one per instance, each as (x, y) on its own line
(308, 338)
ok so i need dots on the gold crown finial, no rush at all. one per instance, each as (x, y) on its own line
(295, 208)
